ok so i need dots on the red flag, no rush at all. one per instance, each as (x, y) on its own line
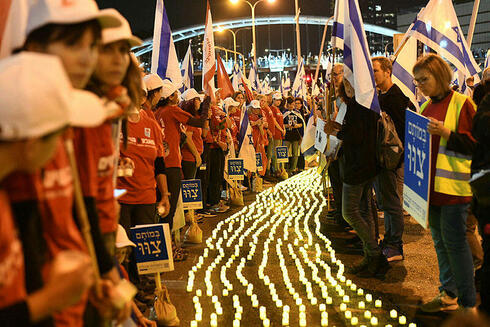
(248, 93)
(224, 82)
(209, 65)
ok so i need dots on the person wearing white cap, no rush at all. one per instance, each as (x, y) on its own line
(35, 112)
(171, 117)
(232, 107)
(279, 132)
(258, 123)
(193, 147)
(153, 84)
(71, 31)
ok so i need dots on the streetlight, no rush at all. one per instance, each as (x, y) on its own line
(253, 23)
(234, 33)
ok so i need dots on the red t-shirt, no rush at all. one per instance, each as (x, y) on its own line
(95, 154)
(438, 111)
(280, 120)
(12, 279)
(170, 118)
(217, 125)
(53, 188)
(259, 141)
(144, 146)
(269, 115)
(198, 142)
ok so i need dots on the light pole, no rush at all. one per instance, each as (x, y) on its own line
(252, 6)
(234, 33)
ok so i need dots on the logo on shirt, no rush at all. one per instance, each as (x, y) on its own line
(147, 132)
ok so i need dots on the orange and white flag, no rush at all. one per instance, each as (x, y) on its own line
(208, 56)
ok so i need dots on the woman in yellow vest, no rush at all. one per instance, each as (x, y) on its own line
(451, 115)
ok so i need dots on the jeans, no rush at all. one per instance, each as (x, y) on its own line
(336, 182)
(357, 211)
(482, 214)
(385, 185)
(448, 226)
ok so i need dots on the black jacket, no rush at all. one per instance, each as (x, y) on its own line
(358, 134)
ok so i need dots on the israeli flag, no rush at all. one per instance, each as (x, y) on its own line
(402, 70)
(164, 60)
(236, 77)
(187, 70)
(338, 25)
(438, 27)
(487, 61)
(254, 78)
(285, 85)
(358, 69)
(299, 84)
(246, 144)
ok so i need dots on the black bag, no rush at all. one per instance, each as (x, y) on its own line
(481, 188)
(389, 148)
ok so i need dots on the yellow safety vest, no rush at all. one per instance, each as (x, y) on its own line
(453, 169)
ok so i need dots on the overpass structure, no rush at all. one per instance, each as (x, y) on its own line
(193, 31)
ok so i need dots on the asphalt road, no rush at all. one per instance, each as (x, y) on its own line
(407, 283)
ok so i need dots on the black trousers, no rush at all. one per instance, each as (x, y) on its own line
(203, 175)
(482, 214)
(189, 169)
(216, 168)
(174, 179)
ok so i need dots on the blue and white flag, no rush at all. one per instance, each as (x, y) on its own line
(402, 70)
(236, 77)
(246, 144)
(438, 27)
(358, 69)
(187, 70)
(253, 77)
(338, 25)
(285, 85)
(487, 61)
(299, 89)
(164, 60)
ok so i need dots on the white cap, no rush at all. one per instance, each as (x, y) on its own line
(122, 239)
(42, 99)
(168, 88)
(152, 82)
(255, 104)
(190, 94)
(277, 96)
(229, 102)
(43, 12)
(122, 32)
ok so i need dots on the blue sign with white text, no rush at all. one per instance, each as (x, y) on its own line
(153, 248)
(191, 194)
(235, 169)
(417, 167)
(258, 160)
(282, 154)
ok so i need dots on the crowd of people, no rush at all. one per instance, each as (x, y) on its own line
(81, 119)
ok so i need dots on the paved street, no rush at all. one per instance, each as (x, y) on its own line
(282, 237)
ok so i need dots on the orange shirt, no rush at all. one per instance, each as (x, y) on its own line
(198, 142)
(12, 283)
(280, 120)
(269, 115)
(170, 118)
(144, 146)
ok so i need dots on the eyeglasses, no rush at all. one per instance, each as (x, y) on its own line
(420, 81)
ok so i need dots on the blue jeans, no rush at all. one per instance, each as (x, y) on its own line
(448, 226)
(385, 185)
(357, 211)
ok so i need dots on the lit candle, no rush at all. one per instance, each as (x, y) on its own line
(343, 307)
(367, 314)
(354, 321)
(393, 314)
(369, 297)
(362, 305)
(193, 323)
(378, 303)
(402, 320)
(374, 321)
(348, 314)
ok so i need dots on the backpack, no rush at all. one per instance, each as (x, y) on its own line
(389, 148)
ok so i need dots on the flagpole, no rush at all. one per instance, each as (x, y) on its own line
(471, 28)
(298, 40)
(321, 50)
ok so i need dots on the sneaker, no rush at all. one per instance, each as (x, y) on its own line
(207, 213)
(377, 267)
(442, 302)
(392, 254)
(358, 267)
